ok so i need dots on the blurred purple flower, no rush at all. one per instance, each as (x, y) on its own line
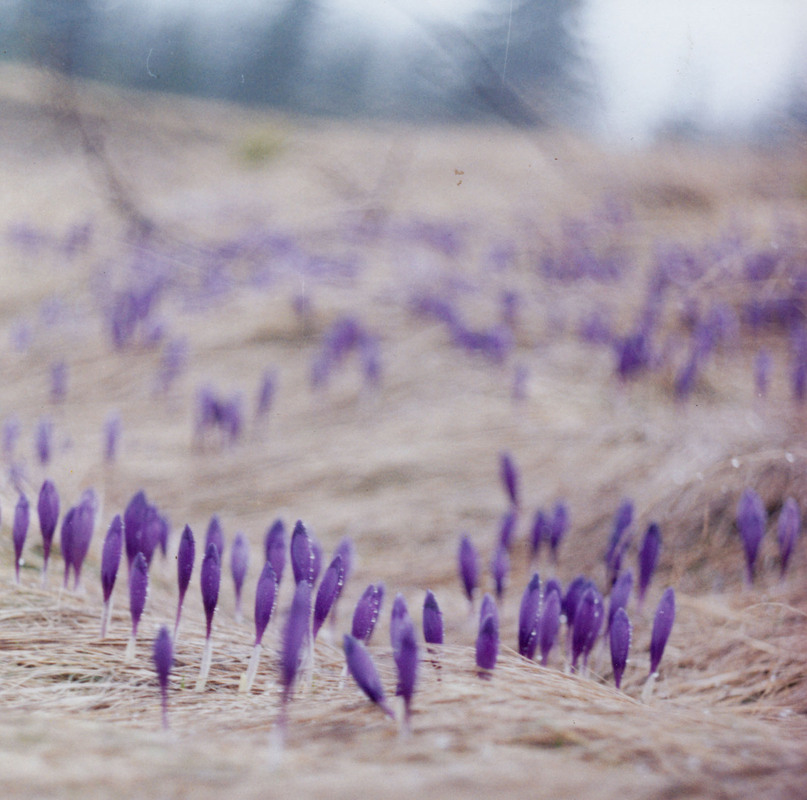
(66, 542)
(558, 527)
(361, 667)
(11, 433)
(432, 620)
(620, 594)
(585, 618)
(20, 532)
(112, 431)
(302, 554)
(487, 640)
(83, 526)
(633, 354)
(186, 555)
(549, 624)
(366, 613)
(509, 476)
(110, 557)
(499, 570)
(163, 657)
(507, 529)
(265, 598)
(648, 558)
(210, 580)
(751, 520)
(572, 597)
(239, 562)
(275, 547)
(398, 617)
(406, 661)
(529, 617)
(138, 590)
(329, 590)
(44, 441)
(662, 626)
(620, 636)
(294, 636)
(468, 567)
(48, 511)
(788, 531)
(541, 532)
(173, 362)
(134, 518)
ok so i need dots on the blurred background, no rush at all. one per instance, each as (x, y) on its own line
(628, 70)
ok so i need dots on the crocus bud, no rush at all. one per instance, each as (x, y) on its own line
(210, 579)
(367, 610)
(275, 547)
(48, 510)
(622, 521)
(528, 618)
(572, 597)
(186, 555)
(558, 527)
(361, 667)
(20, 531)
(584, 620)
(507, 529)
(509, 475)
(432, 620)
(788, 531)
(662, 626)
(215, 535)
(751, 518)
(66, 541)
(265, 597)
(239, 562)
(133, 519)
(110, 556)
(648, 557)
(138, 590)
(302, 554)
(499, 569)
(329, 590)
(620, 594)
(398, 619)
(83, 526)
(469, 567)
(549, 624)
(112, 430)
(620, 636)
(406, 660)
(294, 636)
(487, 640)
(163, 657)
(540, 532)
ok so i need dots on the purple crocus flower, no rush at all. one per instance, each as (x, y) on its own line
(210, 580)
(432, 620)
(648, 558)
(622, 521)
(239, 562)
(398, 618)
(83, 526)
(507, 529)
(487, 640)
(48, 510)
(134, 518)
(528, 618)
(620, 595)
(110, 561)
(469, 567)
(329, 590)
(265, 598)
(163, 657)
(66, 542)
(788, 531)
(406, 661)
(751, 519)
(509, 475)
(294, 637)
(558, 527)
(152, 532)
(596, 626)
(585, 617)
(620, 636)
(540, 532)
(361, 667)
(302, 554)
(19, 532)
(499, 569)
(549, 624)
(138, 591)
(367, 610)
(215, 535)
(572, 597)
(275, 547)
(186, 555)
(662, 626)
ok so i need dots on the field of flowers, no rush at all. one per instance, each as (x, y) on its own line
(518, 421)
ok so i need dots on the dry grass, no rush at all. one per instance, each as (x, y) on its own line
(402, 470)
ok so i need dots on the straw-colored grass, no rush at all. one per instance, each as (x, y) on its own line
(402, 469)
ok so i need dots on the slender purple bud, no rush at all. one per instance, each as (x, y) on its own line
(622, 521)
(48, 511)
(432, 620)
(540, 532)
(83, 526)
(66, 541)
(302, 554)
(788, 530)
(215, 535)
(275, 547)
(133, 519)
(662, 626)
(572, 597)
(528, 618)
(112, 429)
(367, 610)
(596, 625)
(138, 590)
(584, 621)
(509, 474)
(239, 561)
(186, 555)
(329, 590)
(469, 567)
(487, 641)
(500, 569)
(295, 635)
(210, 579)
(620, 595)
(549, 625)
(620, 636)
(152, 532)
(488, 608)
(406, 660)
(265, 597)
(20, 531)
(558, 527)
(507, 530)
(110, 556)
(361, 667)
(751, 519)
(648, 557)
(163, 657)
(398, 619)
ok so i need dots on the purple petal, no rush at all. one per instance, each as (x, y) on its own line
(367, 610)
(432, 620)
(406, 660)
(239, 562)
(361, 667)
(265, 597)
(210, 580)
(751, 520)
(648, 557)
(399, 618)
(138, 589)
(302, 554)
(584, 620)
(329, 590)
(295, 635)
(549, 625)
(111, 555)
(83, 526)
(275, 547)
(507, 530)
(499, 569)
(20, 530)
(622, 521)
(151, 532)
(553, 585)
(112, 431)
(469, 566)
(620, 636)
(509, 475)
(48, 511)
(788, 531)
(186, 555)
(487, 641)
(163, 656)
(662, 626)
(558, 527)
(133, 519)
(66, 541)
(528, 617)
(540, 532)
